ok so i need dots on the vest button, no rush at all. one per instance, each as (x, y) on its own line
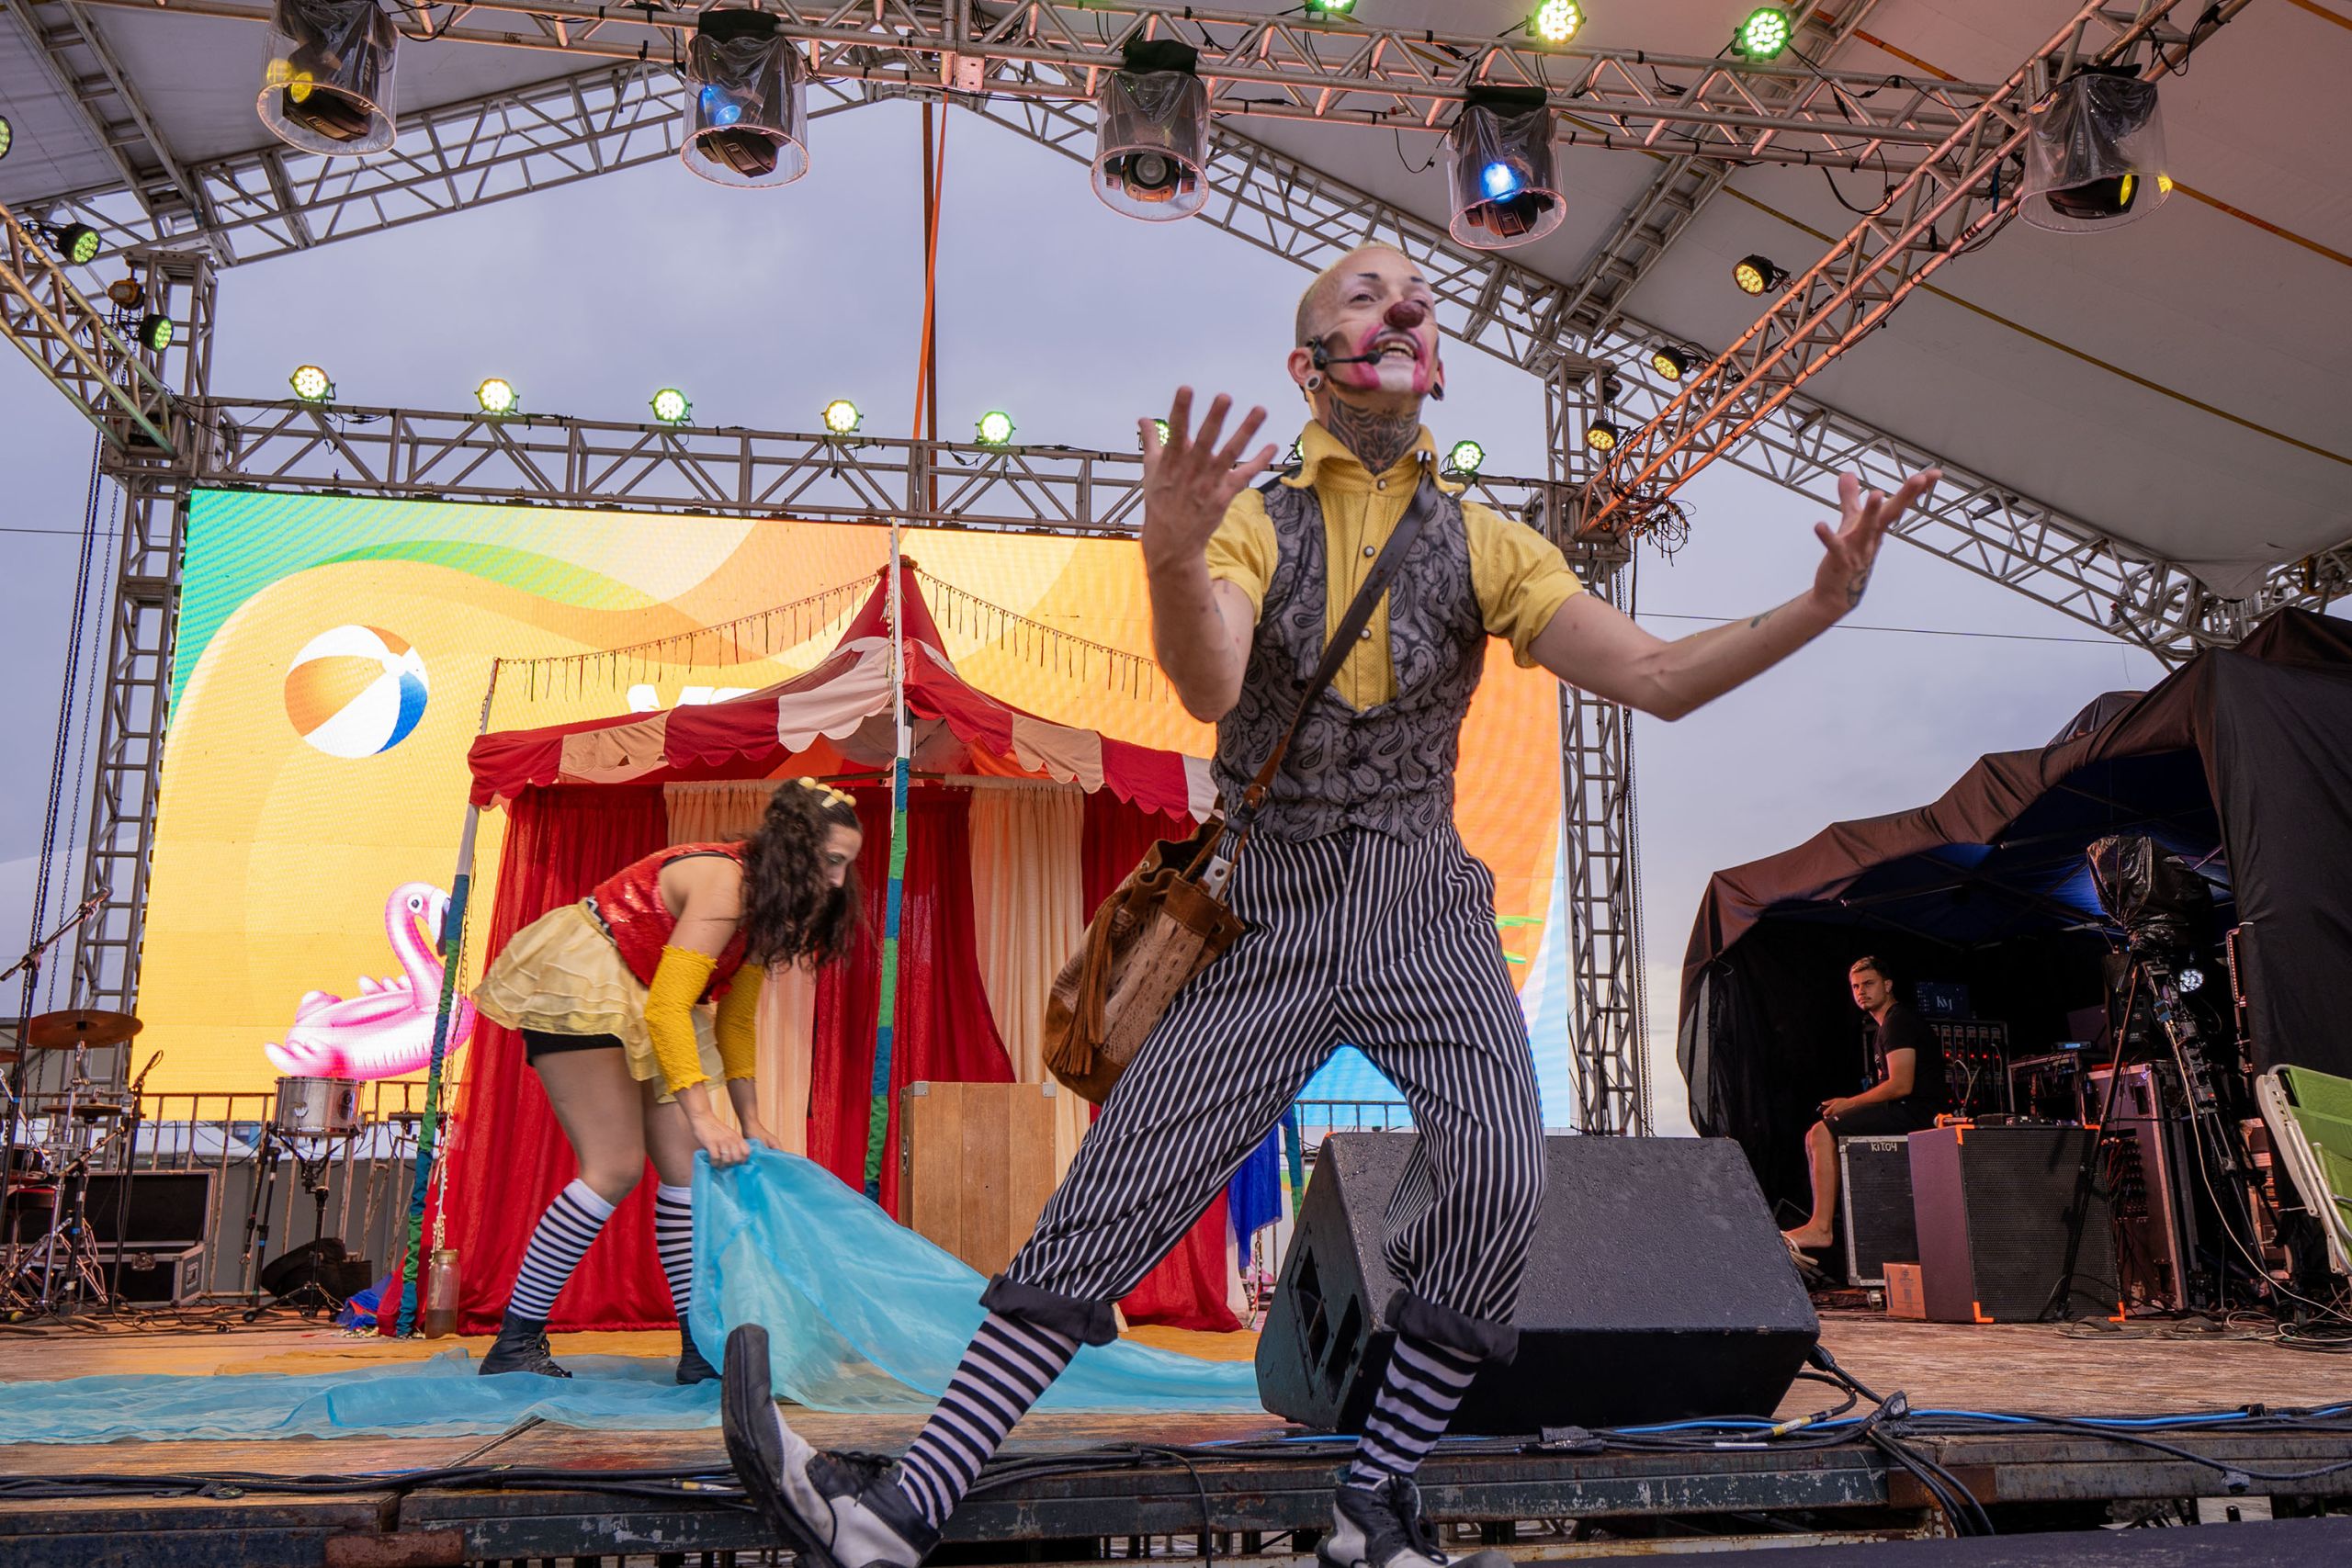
(1365, 634)
(1369, 552)
(1380, 484)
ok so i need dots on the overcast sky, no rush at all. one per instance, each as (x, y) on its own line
(762, 306)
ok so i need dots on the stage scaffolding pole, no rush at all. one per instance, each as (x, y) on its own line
(453, 946)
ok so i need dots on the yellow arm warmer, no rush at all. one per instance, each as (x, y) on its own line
(739, 1011)
(678, 983)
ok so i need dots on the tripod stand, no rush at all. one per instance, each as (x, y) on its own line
(294, 1280)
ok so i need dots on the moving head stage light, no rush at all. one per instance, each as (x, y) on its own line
(1152, 135)
(326, 83)
(1498, 169)
(747, 105)
(2096, 158)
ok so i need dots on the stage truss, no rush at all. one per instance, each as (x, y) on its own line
(1031, 68)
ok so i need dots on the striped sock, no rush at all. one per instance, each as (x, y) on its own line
(1417, 1395)
(674, 1238)
(562, 1238)
(1002, 1374)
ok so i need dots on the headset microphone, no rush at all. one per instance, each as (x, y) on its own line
(1324, 360)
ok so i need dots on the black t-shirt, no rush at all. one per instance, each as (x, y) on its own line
(1906, 1031)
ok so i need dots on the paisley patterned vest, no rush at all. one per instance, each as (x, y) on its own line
(1389, 768)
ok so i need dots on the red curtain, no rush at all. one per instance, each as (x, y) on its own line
(944, 1032)
(1187, 1289)
(507, 1157)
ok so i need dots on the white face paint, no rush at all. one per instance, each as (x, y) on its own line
(1382, 307)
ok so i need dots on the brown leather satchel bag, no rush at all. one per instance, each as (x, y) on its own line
(1168, 920)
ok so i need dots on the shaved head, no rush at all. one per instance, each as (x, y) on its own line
(1315, 302)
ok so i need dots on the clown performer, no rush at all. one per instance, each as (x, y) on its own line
(605, 995)
(1364, 918)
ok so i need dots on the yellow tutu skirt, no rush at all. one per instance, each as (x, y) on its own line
(561, 974)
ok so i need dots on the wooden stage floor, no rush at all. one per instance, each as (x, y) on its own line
(2141, 1369)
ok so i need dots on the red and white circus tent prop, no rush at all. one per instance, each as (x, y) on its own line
(1012, 828)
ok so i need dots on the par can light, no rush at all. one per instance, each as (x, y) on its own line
(1466, 457)
(310, 384)
(1557, 21)
(1601, 435)
(155, 333)
(1757, 274)
(671, 407)
(497, 396)
(994, 428)
(840, 417)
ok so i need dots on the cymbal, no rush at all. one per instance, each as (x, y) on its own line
(79, 1026)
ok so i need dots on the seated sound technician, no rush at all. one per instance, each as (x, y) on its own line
(1909, 1093)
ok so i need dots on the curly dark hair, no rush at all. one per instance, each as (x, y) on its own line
(789, 913)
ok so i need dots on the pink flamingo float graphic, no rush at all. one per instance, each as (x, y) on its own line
(387, 1029)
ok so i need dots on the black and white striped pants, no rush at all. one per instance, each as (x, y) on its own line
(1358, 938)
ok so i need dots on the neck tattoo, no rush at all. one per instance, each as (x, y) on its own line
(1376, 439)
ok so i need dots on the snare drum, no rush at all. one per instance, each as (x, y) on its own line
(317, 1107)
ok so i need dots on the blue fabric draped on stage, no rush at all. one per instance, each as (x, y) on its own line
(862, 1316)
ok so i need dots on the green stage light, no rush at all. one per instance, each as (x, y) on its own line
(840, 417)
(7, 136)
(1465, 456)
(496, 396)
(1601, 435)
(1673, 363)
(78, 244)
(1754, 275)
(1559, 21)
(1329, 7)
(310, 384)
(155, 333)
(995, 428)
(1765, 33)
(670, 406)
(1159, 427)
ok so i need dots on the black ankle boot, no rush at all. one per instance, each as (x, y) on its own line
(692, 1367)
(522, 1347)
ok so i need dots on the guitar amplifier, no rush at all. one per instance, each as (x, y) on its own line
(2000, 1212)
(1874, 1197)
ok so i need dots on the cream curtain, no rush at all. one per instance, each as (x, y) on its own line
(716, 813)
(1028, 915)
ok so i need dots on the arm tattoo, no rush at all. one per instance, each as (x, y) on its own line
(1376, 439)
(1854, 586)
(1759, 620)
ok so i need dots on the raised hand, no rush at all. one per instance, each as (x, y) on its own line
(1851, 549)
(1189, 480)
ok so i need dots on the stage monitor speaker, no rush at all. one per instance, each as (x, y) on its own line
(1874, 1174)
(166, 1205)
(2000, 1211)
(1657, 1288)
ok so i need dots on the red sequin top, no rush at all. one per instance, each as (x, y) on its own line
(629, 906)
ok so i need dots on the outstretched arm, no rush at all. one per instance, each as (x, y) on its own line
(1602, 650)
(1200, 628)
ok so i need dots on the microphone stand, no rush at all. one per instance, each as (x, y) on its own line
(122, 1187)
(29, 967)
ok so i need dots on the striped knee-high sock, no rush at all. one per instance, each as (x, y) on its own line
(1419, 1393)
(1004, 1371)
(562, 1238)
(674, 1238)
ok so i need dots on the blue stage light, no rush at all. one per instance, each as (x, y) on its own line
(1499, 181)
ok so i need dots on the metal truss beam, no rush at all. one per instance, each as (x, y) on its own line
(74, 344)
(86, 74)
(401, 453)
(1286, 66)
(142, 620)
(1950, 203)
(1688, 181)
(276, 199)
(1487, 301)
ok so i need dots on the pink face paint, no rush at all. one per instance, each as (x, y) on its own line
(1406, 317)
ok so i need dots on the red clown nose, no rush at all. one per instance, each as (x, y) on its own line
(1407, 314)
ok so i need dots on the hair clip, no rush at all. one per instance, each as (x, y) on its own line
(832, 797)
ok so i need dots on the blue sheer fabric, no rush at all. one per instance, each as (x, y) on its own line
(865, 1314)
(861, 1316)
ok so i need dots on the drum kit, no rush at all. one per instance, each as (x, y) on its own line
(49, 1259)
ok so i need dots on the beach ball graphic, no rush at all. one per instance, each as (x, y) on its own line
(355, 690)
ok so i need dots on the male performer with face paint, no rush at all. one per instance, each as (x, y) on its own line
(1366, 920)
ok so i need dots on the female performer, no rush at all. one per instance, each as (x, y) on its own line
(604, 994)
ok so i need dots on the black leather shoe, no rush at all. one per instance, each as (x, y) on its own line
(522, 1347)
(693, 1367)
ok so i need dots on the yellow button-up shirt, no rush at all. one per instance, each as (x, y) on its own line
(1521, 578)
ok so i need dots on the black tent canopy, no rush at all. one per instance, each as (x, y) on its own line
(2240, 761)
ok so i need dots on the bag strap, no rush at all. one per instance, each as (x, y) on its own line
(1343, 640)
